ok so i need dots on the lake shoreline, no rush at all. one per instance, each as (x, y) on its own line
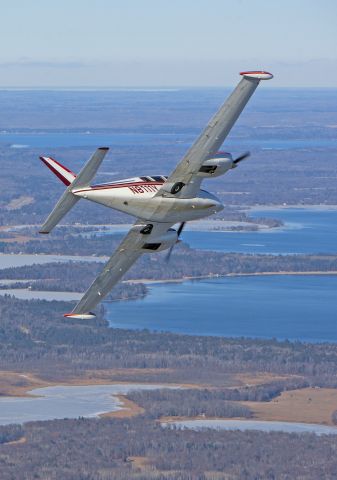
(128, 408)
(307, 405)
(267, 208)
(148, 281)
(9, 380)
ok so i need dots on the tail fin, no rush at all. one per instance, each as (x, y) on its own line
(68, 199)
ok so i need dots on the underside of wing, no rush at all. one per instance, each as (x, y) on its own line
(138, 241)
(184, 181)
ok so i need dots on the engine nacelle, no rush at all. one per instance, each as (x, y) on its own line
(216, 166)
(162, 242)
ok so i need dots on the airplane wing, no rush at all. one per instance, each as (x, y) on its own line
(119, 263)
(183, 181)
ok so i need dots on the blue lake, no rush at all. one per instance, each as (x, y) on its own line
(304, 231)
(50, 403)
(295, 307)
(263, 426)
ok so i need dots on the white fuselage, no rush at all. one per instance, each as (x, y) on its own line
(137, 197)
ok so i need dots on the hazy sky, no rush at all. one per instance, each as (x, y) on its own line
(166, 42)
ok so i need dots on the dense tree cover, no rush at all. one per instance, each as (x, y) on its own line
(10, 433)
(73, 279)
(189, 403)
(184, 263)
(104, 449)
(35, 336)
(210, 402)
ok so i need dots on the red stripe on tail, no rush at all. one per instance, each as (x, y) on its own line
(58, 174)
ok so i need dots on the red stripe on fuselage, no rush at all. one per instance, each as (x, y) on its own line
(121, 185)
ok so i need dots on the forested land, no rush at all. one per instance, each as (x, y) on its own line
(122, 449)
(184, 263)
(211, 402)
(34, 336)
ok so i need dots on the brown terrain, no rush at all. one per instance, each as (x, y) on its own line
(307, 405)
(129, 408)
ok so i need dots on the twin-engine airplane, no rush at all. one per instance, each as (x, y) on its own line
(158, 202)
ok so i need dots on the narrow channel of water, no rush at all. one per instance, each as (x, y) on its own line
(20, 260)
(263, 426)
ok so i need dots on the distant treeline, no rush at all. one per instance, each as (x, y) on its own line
(65, 279)
(210, 402)
(139, 448)
(185, 263)
(188, 403)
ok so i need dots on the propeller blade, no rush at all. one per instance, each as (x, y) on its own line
(241, 157)
(169, 253)
(181, 228)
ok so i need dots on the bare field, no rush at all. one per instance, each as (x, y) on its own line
(250, 379)
(19, 384)
(14, 384)
(307, 405)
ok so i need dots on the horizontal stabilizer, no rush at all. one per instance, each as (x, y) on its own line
(66, 202)
(90, 168)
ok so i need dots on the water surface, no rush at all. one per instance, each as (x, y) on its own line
(296, 307)
(305, 231)
(27, 294)
(263, 426)
(20, 260)
(57, 402)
